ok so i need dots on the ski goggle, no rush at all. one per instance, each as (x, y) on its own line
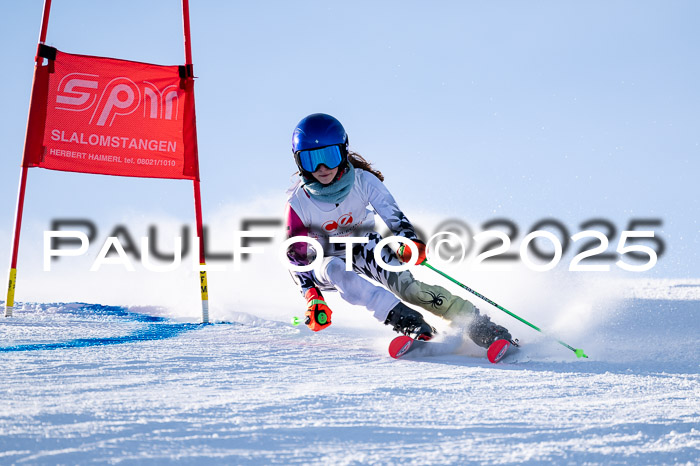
(309, 160)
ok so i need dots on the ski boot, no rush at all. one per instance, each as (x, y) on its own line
(484, 332)
(405, 320)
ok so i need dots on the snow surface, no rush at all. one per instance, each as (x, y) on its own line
(86, 383)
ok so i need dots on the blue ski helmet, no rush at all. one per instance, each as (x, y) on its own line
(319, 139)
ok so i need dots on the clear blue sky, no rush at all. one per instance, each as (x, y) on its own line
(475, 110)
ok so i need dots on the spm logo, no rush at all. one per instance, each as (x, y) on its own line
(79, 92)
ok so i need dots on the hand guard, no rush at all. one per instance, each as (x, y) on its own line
(318, 314)
(404, 252)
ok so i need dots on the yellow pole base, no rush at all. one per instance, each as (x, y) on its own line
(10, 301)
(205, 296)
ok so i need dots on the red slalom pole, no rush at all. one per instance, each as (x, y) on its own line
(10, 301)
(197, 195)
(186, 30)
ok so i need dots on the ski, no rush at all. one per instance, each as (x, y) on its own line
(404, 344)
(497, 350)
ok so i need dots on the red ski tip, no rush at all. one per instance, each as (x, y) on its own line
(497, 350)
(400, 346)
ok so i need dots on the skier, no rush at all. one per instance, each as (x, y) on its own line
(331, 199)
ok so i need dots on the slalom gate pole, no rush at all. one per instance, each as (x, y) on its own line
(10, 301)
(197, 195)
(579, 352)
(202, 262)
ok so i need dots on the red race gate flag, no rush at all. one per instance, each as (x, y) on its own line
(112, 117)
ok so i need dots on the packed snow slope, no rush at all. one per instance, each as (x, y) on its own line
(89, 383)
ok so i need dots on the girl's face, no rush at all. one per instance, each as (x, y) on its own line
(325, 175)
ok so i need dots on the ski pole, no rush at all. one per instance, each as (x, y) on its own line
(579, 352)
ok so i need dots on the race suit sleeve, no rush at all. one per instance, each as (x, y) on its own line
(384, 204)
(298, 253)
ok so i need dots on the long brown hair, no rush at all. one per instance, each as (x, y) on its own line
(358, 161)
